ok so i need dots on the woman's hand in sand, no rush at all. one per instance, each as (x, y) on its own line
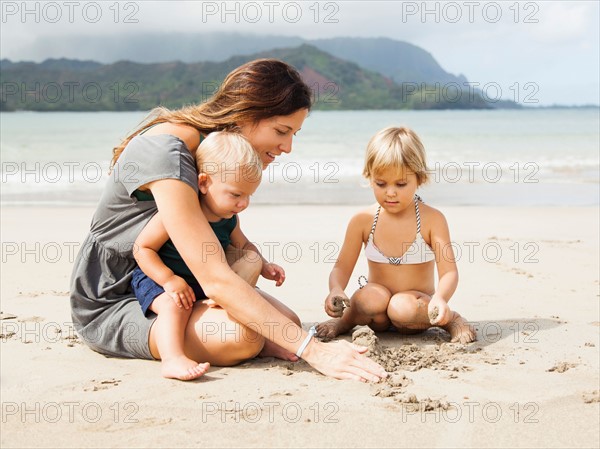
(439, 312)
(335, 303)
(343, 360)
(180, 291)
(273, 272)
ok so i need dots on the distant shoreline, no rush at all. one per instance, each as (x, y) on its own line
(562, 106)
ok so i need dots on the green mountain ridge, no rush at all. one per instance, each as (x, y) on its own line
(395, 59)
(70, 85)
(400, 61)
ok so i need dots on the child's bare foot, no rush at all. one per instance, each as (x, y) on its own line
(183, 368)
(332, 328)
(460, 330)
(271, 349)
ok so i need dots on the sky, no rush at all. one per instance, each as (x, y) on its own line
(535, 52)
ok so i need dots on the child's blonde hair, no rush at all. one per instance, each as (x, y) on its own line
(228, 153)
(394, 147)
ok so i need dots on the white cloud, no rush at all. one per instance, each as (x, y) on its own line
(564, 22)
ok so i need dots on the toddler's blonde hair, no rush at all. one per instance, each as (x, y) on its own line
(228, 153)
(396, 147)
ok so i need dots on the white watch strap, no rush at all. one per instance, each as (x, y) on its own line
(311, 333)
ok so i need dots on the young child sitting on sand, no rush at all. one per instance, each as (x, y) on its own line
(229, 173)
(403, 239)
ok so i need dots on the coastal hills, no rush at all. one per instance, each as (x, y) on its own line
(344, 73)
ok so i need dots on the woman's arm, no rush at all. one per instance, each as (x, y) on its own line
(190, 232)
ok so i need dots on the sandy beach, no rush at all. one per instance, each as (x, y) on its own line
(529, 282)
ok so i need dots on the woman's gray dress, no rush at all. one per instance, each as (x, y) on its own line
(104, 310)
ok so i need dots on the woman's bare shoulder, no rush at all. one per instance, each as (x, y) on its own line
(188, 134)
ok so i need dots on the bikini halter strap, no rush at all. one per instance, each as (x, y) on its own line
(417, 198)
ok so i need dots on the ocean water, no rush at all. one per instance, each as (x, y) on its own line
(503, 157)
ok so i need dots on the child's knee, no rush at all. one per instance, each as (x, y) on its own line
(255, 262)
(405, 307)
(248, 267)
(371, 300)
(164, 304)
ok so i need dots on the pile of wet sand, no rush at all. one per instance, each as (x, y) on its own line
(408, 357)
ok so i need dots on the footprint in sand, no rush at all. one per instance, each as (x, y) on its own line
(560, 242)
(7, 336)
(7, 316)
(561, 367)
(35, 294)
(522, 272)
(97, 385)
(510, 269)
(32, 319)
(591, 397)
(281, 393)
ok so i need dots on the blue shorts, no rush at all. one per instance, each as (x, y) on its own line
(146, 290)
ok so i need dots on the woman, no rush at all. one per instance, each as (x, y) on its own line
(267, 102)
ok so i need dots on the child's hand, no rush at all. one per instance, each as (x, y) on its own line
(335, 303)
(273, 272)
(439, 312)
(180, 292)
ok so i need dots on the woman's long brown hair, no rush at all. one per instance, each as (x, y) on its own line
(257, 90)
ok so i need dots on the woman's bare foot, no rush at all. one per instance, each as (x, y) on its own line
(460, 330)
(332, 328)
(271, 349)
(183, 368)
